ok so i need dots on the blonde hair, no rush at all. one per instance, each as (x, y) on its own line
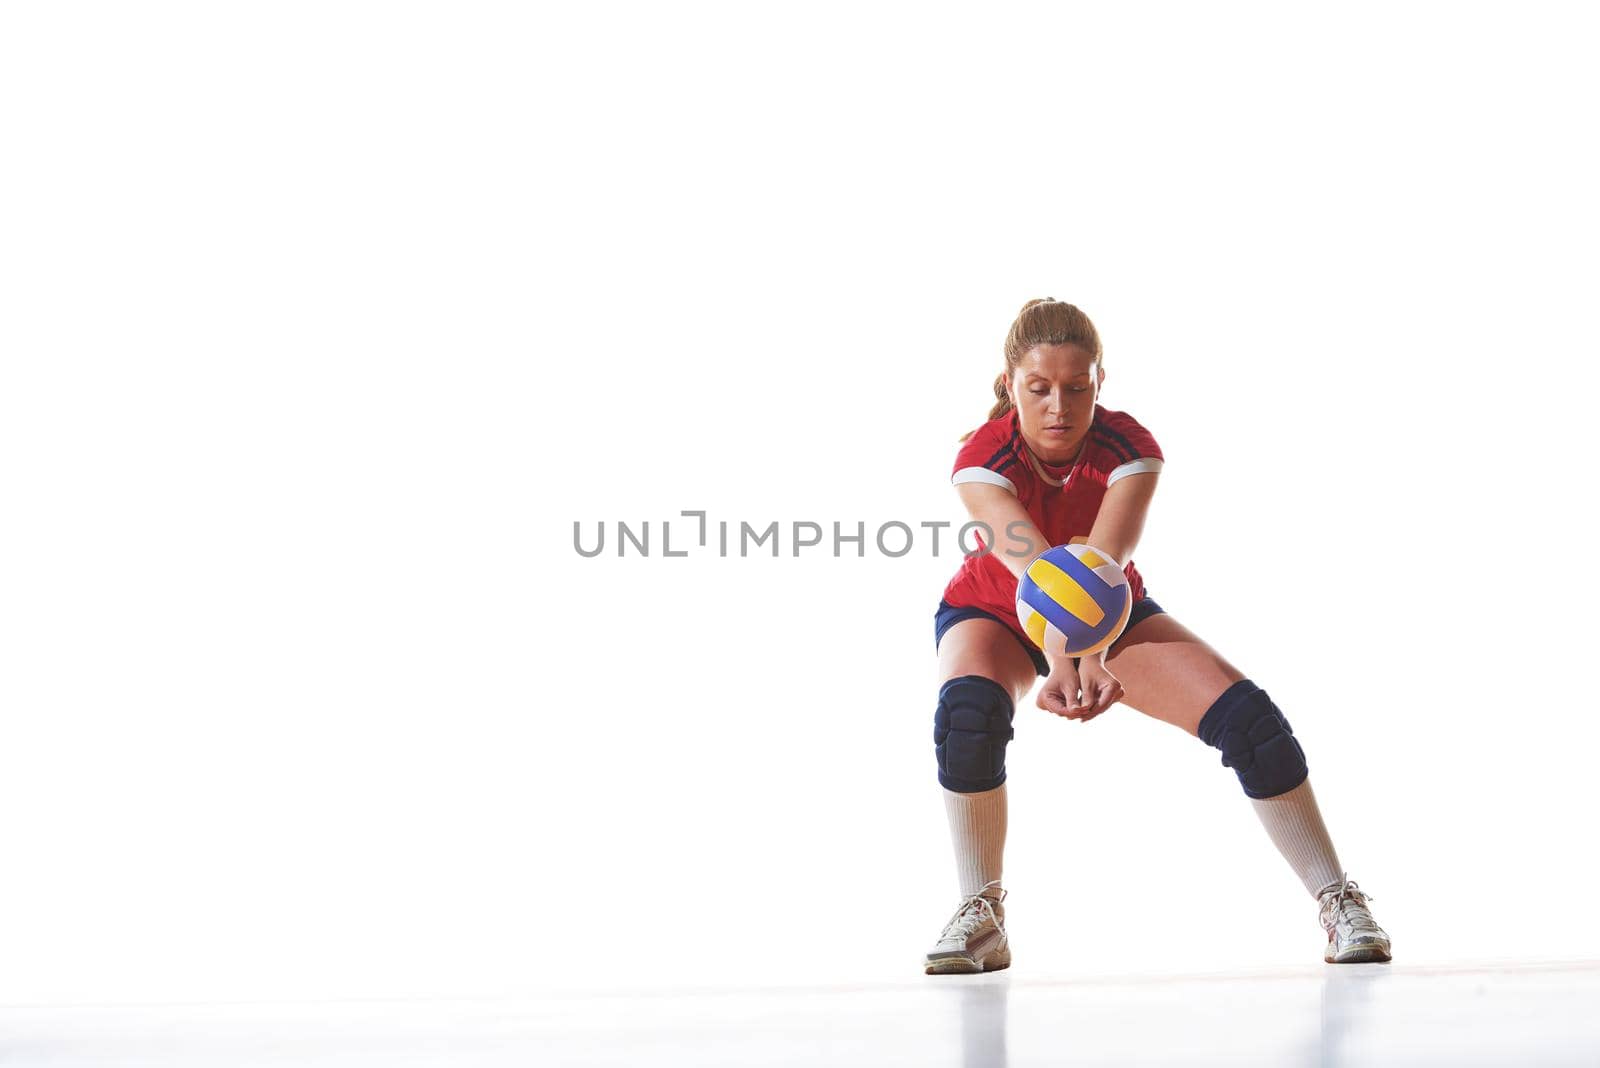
(1045, 321)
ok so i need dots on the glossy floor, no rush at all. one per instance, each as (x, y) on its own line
(1527, 1013)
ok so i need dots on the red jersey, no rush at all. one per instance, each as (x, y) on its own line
(1062, 504)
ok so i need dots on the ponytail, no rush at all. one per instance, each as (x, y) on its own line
(1002, 397)
(1002, 402)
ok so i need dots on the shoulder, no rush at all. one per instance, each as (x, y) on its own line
(1123, 435)
(997, 431)
(992, 454)
(1125, 445)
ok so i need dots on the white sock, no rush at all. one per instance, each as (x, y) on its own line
(978, 830)
(1295, 826)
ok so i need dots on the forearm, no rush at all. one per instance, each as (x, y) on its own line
(1060, 663)
(1012, 535)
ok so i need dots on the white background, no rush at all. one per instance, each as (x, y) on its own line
(323, 324)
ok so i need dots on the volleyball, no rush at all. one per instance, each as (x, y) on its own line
(1074, 600)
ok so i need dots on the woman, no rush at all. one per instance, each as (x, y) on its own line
(1051, 467)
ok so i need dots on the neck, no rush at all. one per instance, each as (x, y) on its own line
(1068, 462)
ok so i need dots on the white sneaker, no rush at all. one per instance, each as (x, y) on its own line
(975, 938)
(1354, 937)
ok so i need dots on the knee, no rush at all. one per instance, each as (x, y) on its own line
(970, 730)
(1255, 739)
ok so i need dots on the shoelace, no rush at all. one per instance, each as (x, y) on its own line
(1351, 900)
(971, 913)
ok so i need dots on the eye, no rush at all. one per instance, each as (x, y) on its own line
(1038, 392)
(1081, 389)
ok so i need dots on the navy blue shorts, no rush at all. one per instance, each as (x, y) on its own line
(948, 616)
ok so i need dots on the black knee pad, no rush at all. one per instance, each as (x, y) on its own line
(970, 730)
(1255, 739)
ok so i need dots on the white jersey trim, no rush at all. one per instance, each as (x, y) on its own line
(983, 474)
(1133, 467)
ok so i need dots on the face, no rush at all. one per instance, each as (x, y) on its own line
(1054, 389)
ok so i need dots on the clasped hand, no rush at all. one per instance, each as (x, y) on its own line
(1061, 690)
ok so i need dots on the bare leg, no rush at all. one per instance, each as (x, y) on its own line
(1167, 672)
